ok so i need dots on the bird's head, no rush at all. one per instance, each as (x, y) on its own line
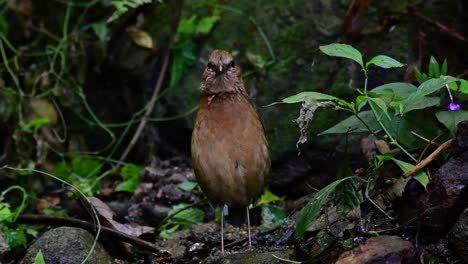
(222, 74)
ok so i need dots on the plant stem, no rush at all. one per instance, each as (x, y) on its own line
(392, 139)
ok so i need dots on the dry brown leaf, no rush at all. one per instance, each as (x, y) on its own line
(106, 212)
(140, 37)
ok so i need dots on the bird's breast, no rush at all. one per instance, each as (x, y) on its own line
(229, 150)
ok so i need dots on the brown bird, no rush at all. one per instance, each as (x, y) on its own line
(229, 149)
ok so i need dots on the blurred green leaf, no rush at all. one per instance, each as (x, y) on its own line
(131, 175)
(450, 119)
(8, 102)
(269, 197)
(384, 62)
(187, 28)
(4, 25)
(129, 185)
(63, 172)
(310, 211)
(6, 215)
(34, 125)
(130, 171)
(122, 6)
(344, 51)
(86, 167)
(100, 29)
(184, 57)
(272, 217)
(187, 186)
(188, 217)
(16, 236)
(39, 259)
(168, 232)
(206, 24)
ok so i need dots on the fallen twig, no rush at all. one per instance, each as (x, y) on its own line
(429, 158)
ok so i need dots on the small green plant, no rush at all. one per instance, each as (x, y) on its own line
(15, 234)
(181, 218)
(391, 111)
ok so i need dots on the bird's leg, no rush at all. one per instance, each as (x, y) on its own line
(248, 226)
(222, 230)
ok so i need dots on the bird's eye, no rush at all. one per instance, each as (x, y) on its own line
(232, 64)
(210, 66)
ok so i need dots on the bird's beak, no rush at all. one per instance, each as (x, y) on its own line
(219, 70)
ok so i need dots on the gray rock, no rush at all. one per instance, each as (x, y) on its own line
(67, 245)
(252, 258)
(381, 249)
(458, 236)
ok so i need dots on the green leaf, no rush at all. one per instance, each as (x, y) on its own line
(168, 232)
(100, 29)
(131, 175)
(188, 217)
(187, 186)
(352, 124)
(434, 70)
(360, 101)
(269, 197)
(206, 24)
(427, 88)
(130, 171)
(86, 167)
(34, 125)
(272, 217)
(344, 51)
(421, 77)
(399, 89)
(313, 207)
(420, 121)
(121, 7)
(381, 105)
(450, 119)
(129, 185)
(300, 97)
(463, 86)
(39, 259)
(443, 69)
(15, 236)
(63, 172)
(421, 103)
(384, 62)
(6, 215)
(420, 176)
(184, 57)
(187, 28)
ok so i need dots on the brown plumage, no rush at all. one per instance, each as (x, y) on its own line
(229, 149)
